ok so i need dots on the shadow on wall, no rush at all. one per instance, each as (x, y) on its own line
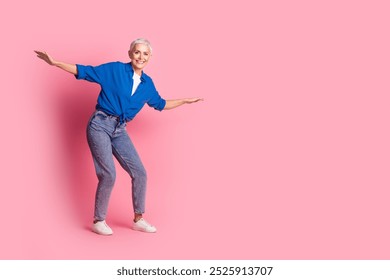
(73, 106)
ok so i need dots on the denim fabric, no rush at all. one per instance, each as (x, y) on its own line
(107, 136)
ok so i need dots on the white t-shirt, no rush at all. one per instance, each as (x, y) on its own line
(136, 82)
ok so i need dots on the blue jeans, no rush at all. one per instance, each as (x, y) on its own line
(107, 137)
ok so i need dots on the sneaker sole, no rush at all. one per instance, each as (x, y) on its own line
(101, 233)
(142, 230)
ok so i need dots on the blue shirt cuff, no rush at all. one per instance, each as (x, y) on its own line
(161, 106)
(80, 72)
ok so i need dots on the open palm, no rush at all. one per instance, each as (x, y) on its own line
(46, 57)
(192, 100)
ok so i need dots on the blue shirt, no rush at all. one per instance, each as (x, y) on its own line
(116, 81)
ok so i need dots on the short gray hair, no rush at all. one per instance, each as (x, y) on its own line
(140, 41)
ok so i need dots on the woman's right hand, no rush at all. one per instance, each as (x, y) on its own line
(68, 67)
(46, 57)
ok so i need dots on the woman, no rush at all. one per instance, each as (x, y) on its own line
(125, 89)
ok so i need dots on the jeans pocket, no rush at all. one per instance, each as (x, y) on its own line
(101, 115)
(96, 118)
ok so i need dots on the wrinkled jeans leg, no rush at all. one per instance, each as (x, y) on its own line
(126, 154)
(99, 141)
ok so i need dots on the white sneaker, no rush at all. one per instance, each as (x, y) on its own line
(101, 228)
(142, 225)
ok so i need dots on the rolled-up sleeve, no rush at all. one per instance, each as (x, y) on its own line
(93, 74)
(157, 102)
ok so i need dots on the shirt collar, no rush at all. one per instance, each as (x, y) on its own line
(129, 68)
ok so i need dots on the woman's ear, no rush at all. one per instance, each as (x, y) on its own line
(129, 52)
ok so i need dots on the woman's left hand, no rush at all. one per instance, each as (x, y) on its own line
(170, 104)
(193, 100)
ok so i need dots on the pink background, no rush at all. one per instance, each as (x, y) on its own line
(287, 158)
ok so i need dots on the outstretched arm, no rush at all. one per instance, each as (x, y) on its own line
(71, 68)
(170, 104)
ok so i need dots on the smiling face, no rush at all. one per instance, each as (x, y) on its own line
(139, 55)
